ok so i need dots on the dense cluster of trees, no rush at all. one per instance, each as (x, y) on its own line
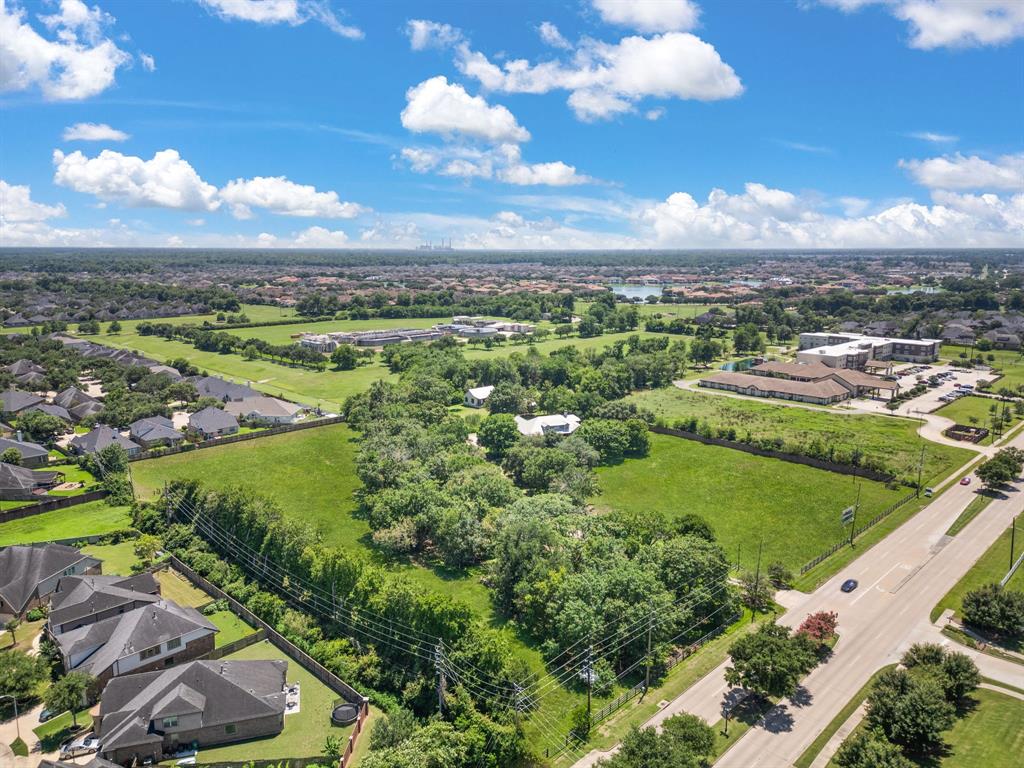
(1001, 469)
(389, 664)
(209, 340)
(684, 741)
(910, 706)
(996, 610)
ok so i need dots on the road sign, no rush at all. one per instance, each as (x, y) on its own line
(848, 514)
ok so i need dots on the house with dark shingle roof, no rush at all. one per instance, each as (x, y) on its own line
(96, 762)
(152, 636)
(22, 484)
(203, 702)
(33, 380)
(14, 401)
(29, 574)
(212, 422)
(155, 430)
(51, 410)
(23, 366)
(71, 397)
(82, 600)
(264, 410)
(101, 437)
(213, 386)
(32, 455)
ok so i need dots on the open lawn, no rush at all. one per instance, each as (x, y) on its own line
(53, 732)
(304, 732)
(989, 736)
(891, 438)
(975, 411)
(93, 518)
(24, 635)
(231, 627)
(176, 587)
(669, 311)
(117, 558)
(991, 567)
(744, 497)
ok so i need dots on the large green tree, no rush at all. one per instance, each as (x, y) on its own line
(771, 661)
(20, 674)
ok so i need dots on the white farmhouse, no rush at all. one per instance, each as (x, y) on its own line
(476, 397)
(558, 424)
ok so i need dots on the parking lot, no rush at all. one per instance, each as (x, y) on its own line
(951, 383)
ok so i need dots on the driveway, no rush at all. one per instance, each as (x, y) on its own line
(9, 732)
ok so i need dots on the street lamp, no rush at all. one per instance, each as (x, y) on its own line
(17, 725)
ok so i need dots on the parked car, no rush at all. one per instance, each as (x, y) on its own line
(928, 492)
(965, 481)
(45, 714)
(849, 585)
(83, 745)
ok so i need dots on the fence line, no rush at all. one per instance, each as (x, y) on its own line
(52, 503)
(236, 645)
(268, 432)
(794, 458)
(857, 531)
(1013, 569)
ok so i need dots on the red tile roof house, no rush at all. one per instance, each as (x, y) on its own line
(29, 574)
(199, 704)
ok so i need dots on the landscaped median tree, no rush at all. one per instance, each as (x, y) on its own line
(771, 661)
(1003, 468)
(870, 749)
(820, 626)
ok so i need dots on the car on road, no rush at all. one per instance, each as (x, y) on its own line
(849, 585)
(965, 481)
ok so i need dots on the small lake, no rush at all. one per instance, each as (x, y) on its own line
(917, 289)
(631, 291)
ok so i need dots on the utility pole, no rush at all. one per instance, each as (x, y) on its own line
(920, 468)
(647, 672)
(441, 682)
(757, 581)
(853, 523)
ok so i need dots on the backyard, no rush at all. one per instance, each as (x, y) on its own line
(304, 732)
(893, 439)
(94, 518)
(795, 508)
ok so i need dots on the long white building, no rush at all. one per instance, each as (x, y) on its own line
(852, 350)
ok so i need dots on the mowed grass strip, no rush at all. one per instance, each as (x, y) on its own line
(991, 736)
(891, 438)
(94, 518)
(795, 508)
(990, 568)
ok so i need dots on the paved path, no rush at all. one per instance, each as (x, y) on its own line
(901, 579)
(8, 733)
(834, 743)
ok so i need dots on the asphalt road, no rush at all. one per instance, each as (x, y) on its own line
(901, 579)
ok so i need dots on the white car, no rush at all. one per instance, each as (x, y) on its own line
(83, 745)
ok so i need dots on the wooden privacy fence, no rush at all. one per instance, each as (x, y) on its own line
(51, 503)
(857, 531)
(268, 432)
(794, 458)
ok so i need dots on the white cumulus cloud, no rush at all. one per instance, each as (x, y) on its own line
(649, 15)
(606, 79)
(973, 172)
(293, 12)
(279, 195)
(423, 34)
(951, 23)
(93, 132)
(78, 63)
(16, 205)
(165, 181)
(437, 106)
(320, 237)
(550, 34)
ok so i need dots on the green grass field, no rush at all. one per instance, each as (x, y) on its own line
(117, 558)
(304, 732)
(91, 518)
(231, 627)
(892, 438)
(975, 411)
(176, 587)
(744, 497)
(991, 567)
(990, 736)
(669, 311)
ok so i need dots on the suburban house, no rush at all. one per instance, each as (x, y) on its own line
(153, 431)
(101, 437)
(33, 380)
(555, 424)
(32, 455)
(476, 397)
(166, 370)
(51, 410)
(212, 422)
(199, 704)
(264, 410)
(21, 367)
(212, 386)
(77, 403)
(152, 636)
(14, 401)
(21, 484)
(96, 762)
(1003, 339)
(852, 350)
(824, 392)
(82, 600)
(29, 574)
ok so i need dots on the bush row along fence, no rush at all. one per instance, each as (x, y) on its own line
(286, 762)
(268, 432)
(300, 657)
(795, 458)
(680, 655)
(857, 531)
(56, 502)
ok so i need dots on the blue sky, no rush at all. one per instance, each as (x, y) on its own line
(576, 124)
